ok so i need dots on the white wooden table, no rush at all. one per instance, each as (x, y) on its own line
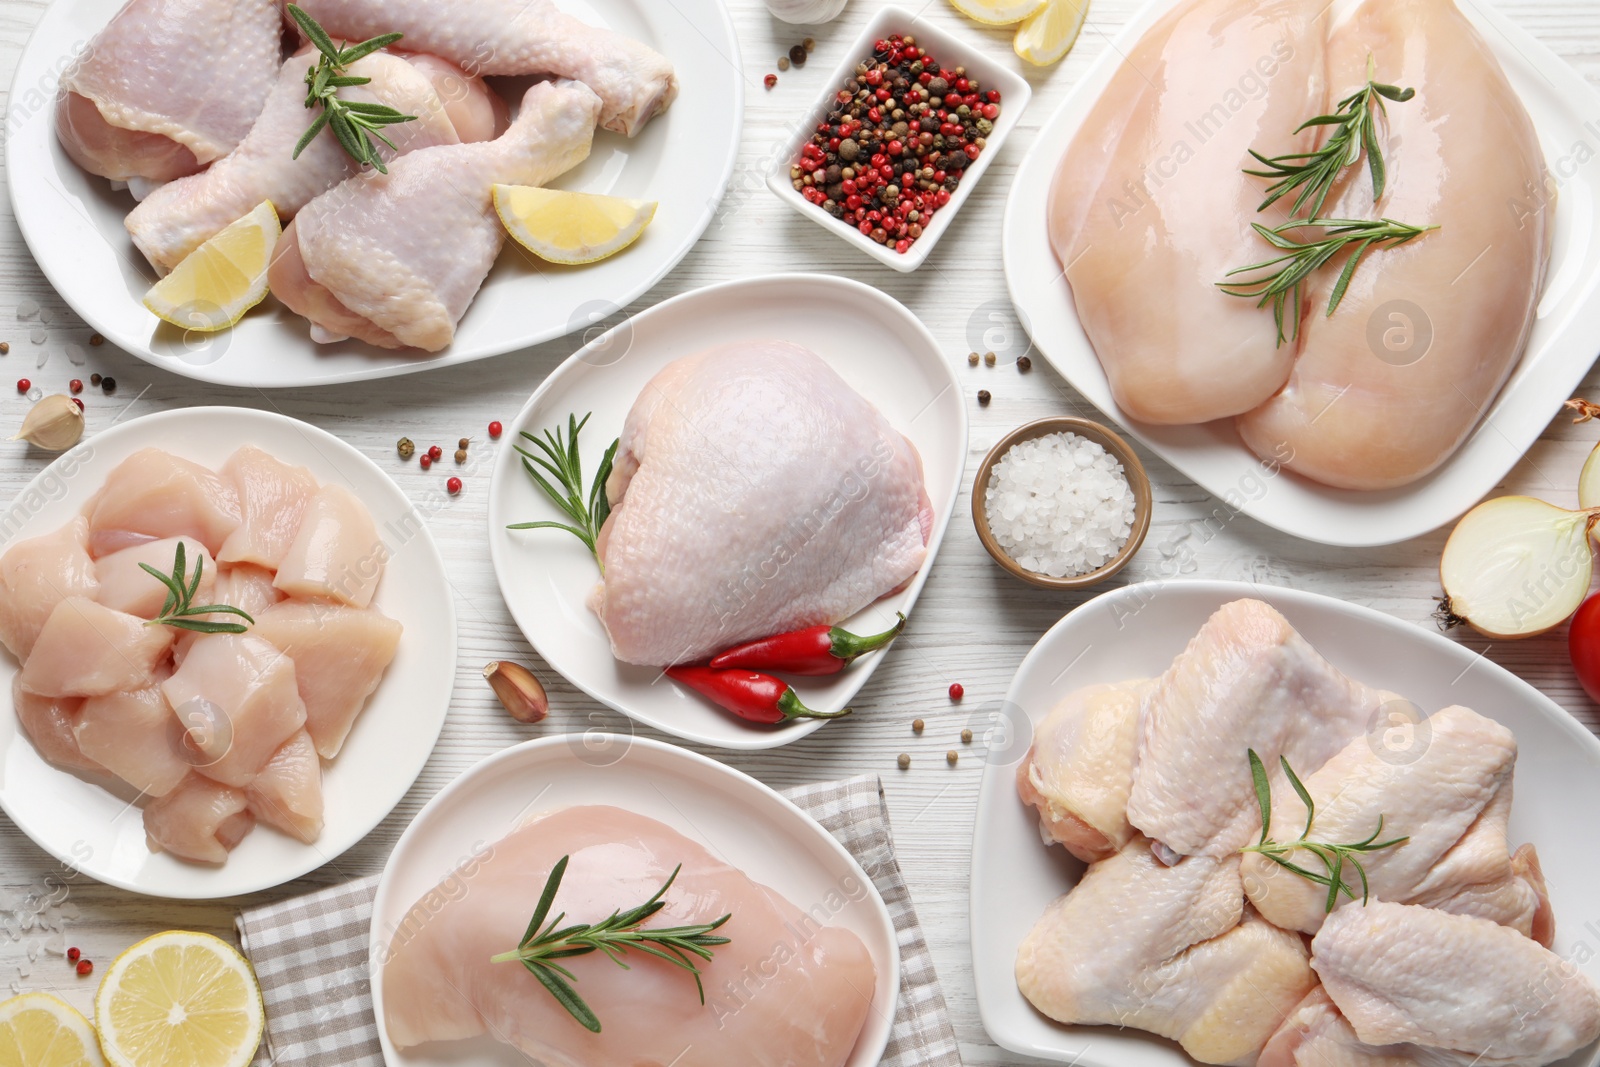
(973, 623)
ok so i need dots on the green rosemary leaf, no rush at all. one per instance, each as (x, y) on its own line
(546, 898)
(1301, 792)
(1258, 775)
(565, 995)
(179, 610)
(559, 455)
(315, 33)
(366, 48)
(310, 135)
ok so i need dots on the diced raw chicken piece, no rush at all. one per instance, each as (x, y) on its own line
(1316, 1035)
(1151, 197)
(1432, 801)
(754, 492)
(287, 793)
(36, 575)
(135, 735)
(273, 496)
(438, 983)
(48, 722)
(339, 654)
(1246, 681)
(154, 494)
(237, 695)
(336, 552)
(201, 820)
(1401, 973)
(126, 586)
(239, 585)
(1080, 768)
(1172, 950)
(87, 649)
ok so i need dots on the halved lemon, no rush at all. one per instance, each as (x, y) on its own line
(179, 999)
(1050, 34)
(997, 12)
(571, 227)
(222, 279)
(39, 1030)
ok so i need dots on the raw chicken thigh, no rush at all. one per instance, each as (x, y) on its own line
(438, 983)
(754, 492)
(395, 259)
(168, 86)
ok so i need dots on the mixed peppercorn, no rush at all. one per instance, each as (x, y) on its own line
(896, 143)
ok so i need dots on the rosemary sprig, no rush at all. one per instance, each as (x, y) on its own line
(560, 458)
(1333, 857)
(1285, 275)
(1314, 173)
(179, 611)
(354, 122)
(546, 942)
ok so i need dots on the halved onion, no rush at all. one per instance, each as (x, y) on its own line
(1589, 481)
(1515, 567)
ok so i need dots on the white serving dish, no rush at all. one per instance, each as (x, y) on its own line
(1136, 631)
(92, 824)
(72, 221)
(877, 345)
(737, 818)
(1563, 107)
(951, 52)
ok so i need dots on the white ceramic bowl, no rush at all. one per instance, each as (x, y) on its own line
(950, 52)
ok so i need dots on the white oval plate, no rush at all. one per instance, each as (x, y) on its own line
(72, 220)
(545, 576)
(1136, 631)
(1563, 106)
(90, 823)
(740, 820)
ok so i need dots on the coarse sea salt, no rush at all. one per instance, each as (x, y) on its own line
(1059, 505)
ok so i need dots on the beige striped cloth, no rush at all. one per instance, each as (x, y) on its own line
(310, 952)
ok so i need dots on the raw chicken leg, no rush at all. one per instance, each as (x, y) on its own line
(1246, 681)
(1150, 206)
(634, 82)
(177, 218)
(1080, 768)
(1457, 155)
(754, 492)
(1407, 974)
(1171, 950)
(168, 86)
(395, 259)
(786, 991)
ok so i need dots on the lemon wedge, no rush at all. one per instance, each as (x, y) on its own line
(997, 12)
(179, 1000)
(1050, 34)
(571, 228)
(222, 279)
(39, 1030)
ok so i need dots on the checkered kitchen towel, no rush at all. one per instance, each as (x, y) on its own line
(310, 953)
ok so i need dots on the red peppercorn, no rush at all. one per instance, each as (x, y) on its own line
(454, 485)
(771, 81)
(73, 954)
(424, 462)
(990, 112)
(956, 692)
(85, 967)
(993, 96)
(902, 245)
(23, 385)
(76, 385)
(495, 429)
(435, 453)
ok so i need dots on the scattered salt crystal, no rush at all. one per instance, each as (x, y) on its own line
(26, 309)
(1060, 505)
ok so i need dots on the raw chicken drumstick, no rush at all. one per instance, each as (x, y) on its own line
(518, 37)
(395, 259)
(177, 218)
(168, 86)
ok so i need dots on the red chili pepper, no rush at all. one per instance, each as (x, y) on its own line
(749, 694)
(813, 651)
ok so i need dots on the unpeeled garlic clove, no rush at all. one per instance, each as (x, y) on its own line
(519, 691)
(54, 424)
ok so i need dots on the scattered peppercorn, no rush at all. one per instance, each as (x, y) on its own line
(956, 691)
(989, 358)
(463, 443)
(23, 385)
(85, 968)
(770, 81)
(94, 379)
(461, 456)
(5, 346)
(495, 429)
(951, 757)
(76, 385)
(810, 43)
(424, 461)
(972, 359)
(96, 340)
(405, 447)
(966, 736)
(78, 402)
(435, 453)
(783, 62)
(73, 954)
(983, 397)
(1024, 364)
(797, 55)
(454, 485)
(108, 384)
(904, 761)
(917, 725)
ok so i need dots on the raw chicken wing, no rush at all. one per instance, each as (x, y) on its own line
(134, 735)
(339, 653)
(1481, 876)
(154, 494)
(201, 820)
(287, 794)
(36, 575)
(237, 696)
(1316, 1035)
(87, 649)
(49, 722)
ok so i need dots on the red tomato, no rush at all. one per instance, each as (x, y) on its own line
(1583, 645)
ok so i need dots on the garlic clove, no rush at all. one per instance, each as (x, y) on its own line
(1515, 566)
(519, 691)
(54, 424)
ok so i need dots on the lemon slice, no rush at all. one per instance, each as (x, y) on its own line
(997, 12)
(571, 227)
(222, 279)
(39, 1030)
(179, 1000)
(1051, 33)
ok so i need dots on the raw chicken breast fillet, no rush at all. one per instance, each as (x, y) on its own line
(236, 694)
(754, 492)
(788, 991)
(127, 586)
(49, 723)
(336, 552)
(87, 649)
(36, 575)
(287, 793)
(201, 821)
(134, 734)
(154, 494)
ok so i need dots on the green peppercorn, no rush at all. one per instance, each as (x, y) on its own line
(406, 447)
